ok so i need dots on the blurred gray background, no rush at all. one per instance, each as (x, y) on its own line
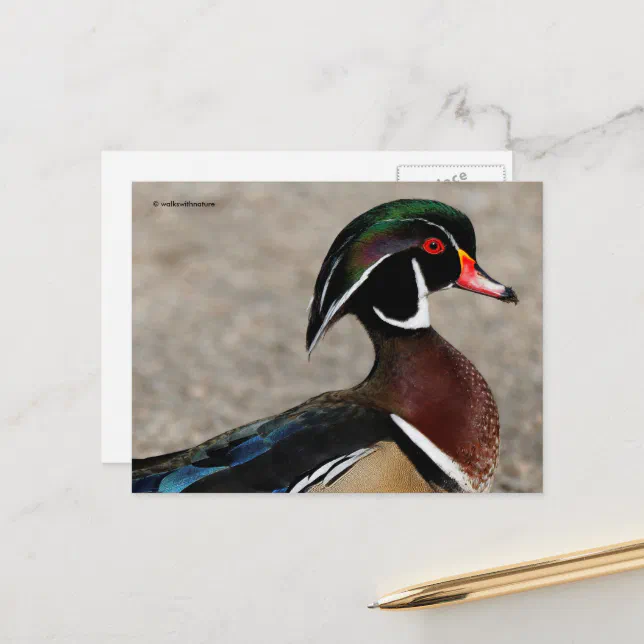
(220, 297)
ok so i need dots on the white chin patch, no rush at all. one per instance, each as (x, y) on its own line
(420, 319)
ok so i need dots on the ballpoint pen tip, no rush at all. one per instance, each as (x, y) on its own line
(374, 605)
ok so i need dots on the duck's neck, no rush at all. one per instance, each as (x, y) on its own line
(423, 379)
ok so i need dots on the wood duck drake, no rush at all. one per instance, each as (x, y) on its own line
(424, 419)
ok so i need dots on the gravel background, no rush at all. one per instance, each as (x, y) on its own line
(220, 297)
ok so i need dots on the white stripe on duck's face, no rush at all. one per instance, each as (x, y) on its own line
(328, 280)
(337, 304)
(420, 319)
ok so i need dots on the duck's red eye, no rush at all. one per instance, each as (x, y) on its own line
(433, 246)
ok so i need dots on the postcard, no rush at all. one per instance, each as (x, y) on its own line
(336, 337)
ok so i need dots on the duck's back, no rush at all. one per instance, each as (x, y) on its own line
(329, 444)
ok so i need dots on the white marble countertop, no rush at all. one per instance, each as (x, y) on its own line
(557, 83)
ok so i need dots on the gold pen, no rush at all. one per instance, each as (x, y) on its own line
(517, 578)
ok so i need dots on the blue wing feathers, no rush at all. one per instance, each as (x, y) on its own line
(248, 450)
(180, 479)
(268, 455)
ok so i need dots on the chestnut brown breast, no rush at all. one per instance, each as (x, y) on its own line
(426, 381)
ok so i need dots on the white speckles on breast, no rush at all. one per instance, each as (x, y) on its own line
(479, 455)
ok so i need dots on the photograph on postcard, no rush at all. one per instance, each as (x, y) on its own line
(337, 337)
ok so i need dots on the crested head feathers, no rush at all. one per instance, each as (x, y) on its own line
(369, 240)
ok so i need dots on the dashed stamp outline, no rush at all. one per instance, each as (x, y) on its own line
(452, 165)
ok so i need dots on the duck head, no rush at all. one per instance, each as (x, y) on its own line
(385, 263)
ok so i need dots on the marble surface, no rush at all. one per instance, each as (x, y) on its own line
(559, 84)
